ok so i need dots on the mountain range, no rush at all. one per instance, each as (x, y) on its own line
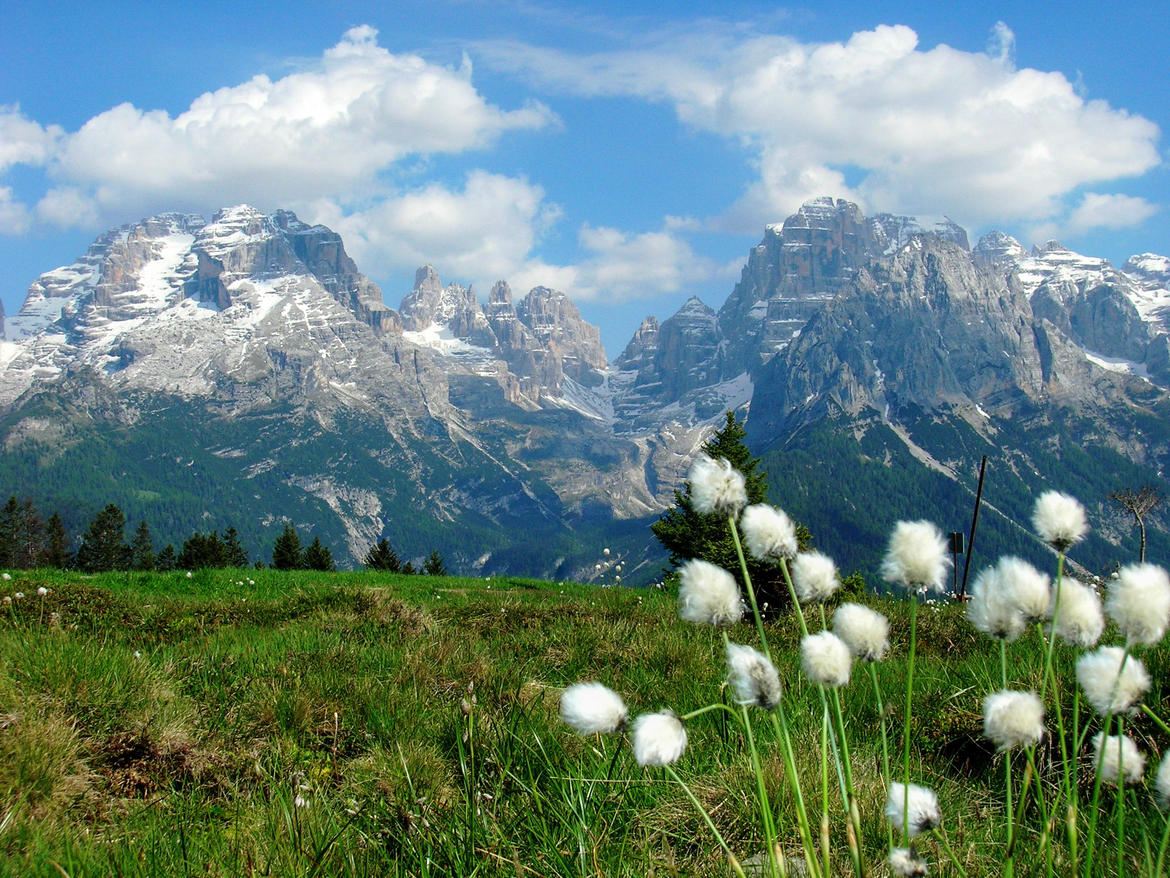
(243, 372)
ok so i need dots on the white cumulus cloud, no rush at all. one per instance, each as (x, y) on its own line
(23, 141)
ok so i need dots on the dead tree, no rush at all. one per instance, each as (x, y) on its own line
(1139, 504)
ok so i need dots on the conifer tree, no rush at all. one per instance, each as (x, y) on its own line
(56, 552)
(103, 547)
(233, 553)
(165, 561)
(382, 557)
(318, 556)
(286, 551)
(142, 548)
(434, 565)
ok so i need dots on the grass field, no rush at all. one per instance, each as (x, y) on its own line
(266, 723)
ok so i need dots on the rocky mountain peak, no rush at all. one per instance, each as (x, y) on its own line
(997, 250)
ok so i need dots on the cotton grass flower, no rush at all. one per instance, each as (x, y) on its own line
(1119, 758)
(825, 658)
(1078, 620)
(1138, 600)
(991, 608)
(768, 533)
(866, 632)
(42, 591)
(592, 708)
(752, 676)
(659, 738)
(905, 863)
(814, 576)
(916, 558)
(1162, 784)
(919, 804)
(708, 594)
(1013, 719)
(1059, 520)
(1025, 587)
(1109, 687)
(716, 486)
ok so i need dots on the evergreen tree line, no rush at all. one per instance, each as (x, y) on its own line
(382, 557)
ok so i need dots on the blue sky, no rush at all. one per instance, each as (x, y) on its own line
(625, 153)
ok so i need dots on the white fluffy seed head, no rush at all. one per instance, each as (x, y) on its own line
(768, 532)
(916, 558)
(866, 632)
(1013, 719)
(1162, 784)
(591, 708)
(905, 863)
(1026, 587)
(1059, 520)
(825, 658)
(752, 676)
(1109, 687)
(1078, 620)
(1138, 600)
(708, 594)
(914, 809)
(814, 576)
(659, 738)
(991, 608)
(1121, 761)
(716, 486)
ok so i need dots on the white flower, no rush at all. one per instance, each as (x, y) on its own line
(1079, 620)
(19, 595)
(1026, 587)
(919, 804)
(991, 608)
(42, 591)
(1108, 687)
(605, 551)
(1059, 520)
(917, 556)
(300, 802)
(591, 708)
(768, 532)
(814, 576)
(188, 574)
(7, 577)
(708, 594)
(904, 862)
(1162, 784)
(752, 676)
(1118, 756)
(825, 658)
(659, 738)
(1013, 719)
(137, 654)
(1139, 602)
(716, 486)
(866, 632)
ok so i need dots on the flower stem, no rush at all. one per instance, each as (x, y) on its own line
(706, 818)
(906, 720)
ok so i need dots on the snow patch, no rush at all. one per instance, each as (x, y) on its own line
(1115, 364)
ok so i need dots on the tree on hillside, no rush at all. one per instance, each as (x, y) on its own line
(1139, 504)
(434, 565)
(166, 560)
(286, 551)
(317, 556)
(103, 547)
(686, 534)
(233, 553)
(56, 552)
(201, 552)
(382, 557)
(22, 534)
(142, 548)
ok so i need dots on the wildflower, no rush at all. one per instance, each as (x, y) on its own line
(865, 631)
(1139, 602)
(7, 599)
(1059, 520)
(300, 802)
(42, 591)
(768, 533)
(1118, 755)
(1108, 686)
(814, 576)
(659, 738)
(54, 620)
(19, 595)
(188, 574)
(905, 863)
(1079, 621)
(1013, 719)
(605, 551)
(708, 594)
(1162, 784)
(7, 577)
(1026, 587)
(137, 654)
(825, 658)
(991, 608)
(917, 556)
(914, 809)
(752, 676)
(591, 708)
(716, 486)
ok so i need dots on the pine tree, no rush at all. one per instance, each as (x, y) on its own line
(434, 565)
(286, 551)
(56, 552)
(10, 528)
(318, 556)
(382, 557)
(233, 553)
(686, 534)
(30, 537)
(165, 562)
(103, 547)
(202, 551)
(142, 548)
